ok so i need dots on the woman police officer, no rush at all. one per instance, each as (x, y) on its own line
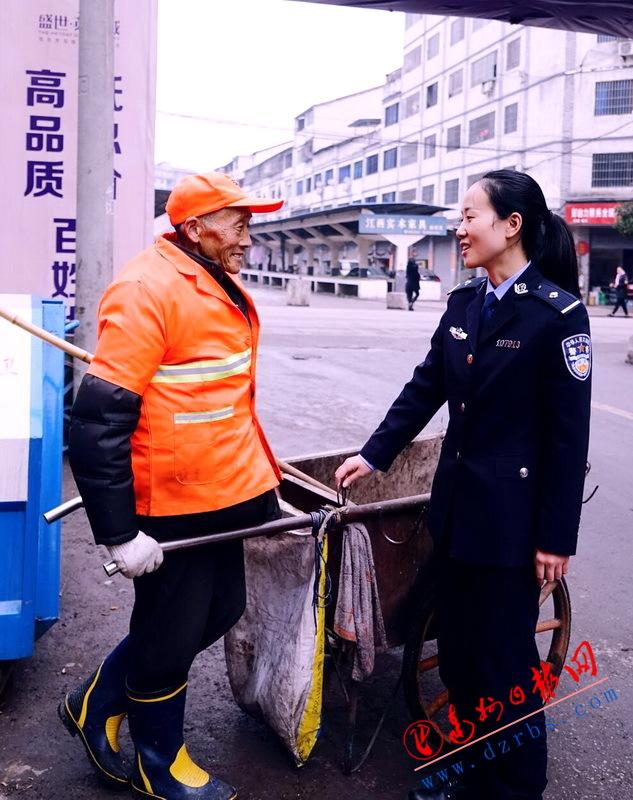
(512, 356)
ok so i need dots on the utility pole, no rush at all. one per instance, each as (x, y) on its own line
(95, 203)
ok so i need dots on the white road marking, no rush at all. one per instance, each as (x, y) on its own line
(620, 412)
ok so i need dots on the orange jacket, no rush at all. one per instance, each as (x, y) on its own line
(170, 333)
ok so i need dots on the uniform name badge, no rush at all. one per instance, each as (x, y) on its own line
(577, 353)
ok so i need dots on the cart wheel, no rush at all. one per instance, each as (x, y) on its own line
(6, 679)
(424, 692)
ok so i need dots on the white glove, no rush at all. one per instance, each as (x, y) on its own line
(138, 556)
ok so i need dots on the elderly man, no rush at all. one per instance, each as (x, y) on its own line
(165, 444)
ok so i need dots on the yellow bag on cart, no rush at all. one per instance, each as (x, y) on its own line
(275, 653)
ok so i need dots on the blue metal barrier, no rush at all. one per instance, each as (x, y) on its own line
(31, 415)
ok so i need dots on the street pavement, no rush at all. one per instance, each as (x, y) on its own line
(326, 375)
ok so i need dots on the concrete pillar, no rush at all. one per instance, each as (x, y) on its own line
(308, 258)
(364, 246)
(335, 250)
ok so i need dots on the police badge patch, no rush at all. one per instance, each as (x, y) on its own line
(577, 354)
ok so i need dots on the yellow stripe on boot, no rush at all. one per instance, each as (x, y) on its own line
(185, 771)
(112, 727)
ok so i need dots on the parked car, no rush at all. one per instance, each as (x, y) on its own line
(428, 275)
(352, 269)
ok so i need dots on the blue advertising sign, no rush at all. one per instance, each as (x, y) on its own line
(403, 224)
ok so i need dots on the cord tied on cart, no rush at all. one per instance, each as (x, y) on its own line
(320, 521)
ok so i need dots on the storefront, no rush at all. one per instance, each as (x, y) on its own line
(600, 247)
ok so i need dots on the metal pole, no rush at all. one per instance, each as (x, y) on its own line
(343, 516)
(95, 207)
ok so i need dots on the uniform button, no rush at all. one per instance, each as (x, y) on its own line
(469, 358)
(462, 407)
(524, 472)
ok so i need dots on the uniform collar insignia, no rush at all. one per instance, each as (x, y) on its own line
(520, 288)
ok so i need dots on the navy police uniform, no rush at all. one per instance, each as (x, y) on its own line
(509, 481)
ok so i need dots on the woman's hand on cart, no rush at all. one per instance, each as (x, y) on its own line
(350, 470)
(550, 566)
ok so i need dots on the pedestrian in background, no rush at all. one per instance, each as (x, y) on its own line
(620, 282)
(165, 444)
(413, 283)
(512, 356)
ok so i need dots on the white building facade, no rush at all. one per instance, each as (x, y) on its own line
(474, 95)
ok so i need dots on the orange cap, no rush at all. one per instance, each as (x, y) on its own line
(196, 195)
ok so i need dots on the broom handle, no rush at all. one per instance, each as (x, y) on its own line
(35, 330)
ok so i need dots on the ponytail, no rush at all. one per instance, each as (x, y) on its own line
(557, 259)
(545, 237)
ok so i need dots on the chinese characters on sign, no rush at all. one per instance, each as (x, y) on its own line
(45, 167)
(63, 269)
(402, 224)
(424, 741)
(44, 173)
(590, 213)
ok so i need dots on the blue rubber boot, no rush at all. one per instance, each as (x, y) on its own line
(95, 710)
(162, 766)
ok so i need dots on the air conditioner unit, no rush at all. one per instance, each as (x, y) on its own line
(488, 87)
(625, 49)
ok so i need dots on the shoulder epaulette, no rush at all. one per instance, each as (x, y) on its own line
(553, 295)
(471, 283)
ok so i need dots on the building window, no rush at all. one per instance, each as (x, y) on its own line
(412, 59)
(433, 46)
(484, 69)
(454, 138)
(407, 196)
(371, 165)
(288, 160)
(412, 105)
(344, 173)
(613, 97)
(428, 193)
(604, 37)
(358, 169)
(388, 197)
(481, 128)
(408, 154)
(317, 180)
(451, 191)
(430, 146)
(455, 82)
(470, 179)
(411, 19)
(391, 114)
(308, 185)
(390, 158)
(513, 53)
(301, 123)
(329, 176)
(612, 169)
(510, 117)
(431, 95)
(299, 189)
(479, 23)
(371, 199)
(457, 30)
